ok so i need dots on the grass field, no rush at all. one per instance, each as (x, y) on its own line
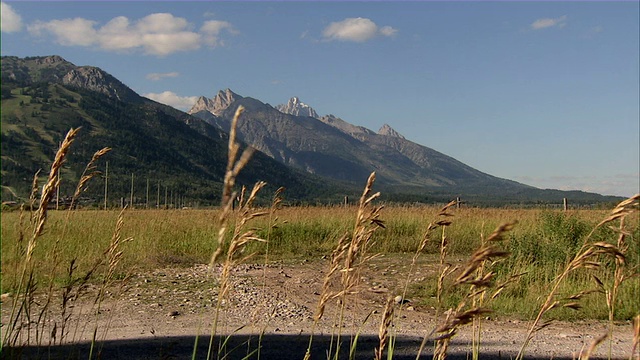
(541, 243)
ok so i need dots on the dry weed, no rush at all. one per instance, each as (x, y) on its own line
(587, 257)
(349, 255)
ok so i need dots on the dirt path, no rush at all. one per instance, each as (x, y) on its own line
(158, 314)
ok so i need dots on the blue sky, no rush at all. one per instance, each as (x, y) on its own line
(545, 93)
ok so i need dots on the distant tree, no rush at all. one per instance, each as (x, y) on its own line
(5, 92)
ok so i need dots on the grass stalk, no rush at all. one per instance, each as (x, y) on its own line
(88, 174)
(22, 302)
(113, 255)
(414, 259)
(349, 255)
(241, 236)
(583, 259)
(621, 273)
(367, 222)
(594, 344)
(276, 203)
(635, 349)
(471, 274)
(444, 269)
(383, 333)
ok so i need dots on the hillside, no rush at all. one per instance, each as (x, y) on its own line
(160, 146)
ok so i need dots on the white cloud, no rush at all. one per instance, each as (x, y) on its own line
(355, 29)
(160, 76)
(549, 22)
(67, 32)
(172, 99)
(388, 31)
(158, 34)
(161, 23)
(10, 20)
(116, 35)
(165, 44)
(212, 29)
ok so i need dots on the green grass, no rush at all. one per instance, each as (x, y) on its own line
(540, 244)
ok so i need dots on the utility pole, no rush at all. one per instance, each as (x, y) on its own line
(58, 193)
(147, 205)
(58, 184)
(131, 201)
(106, 184)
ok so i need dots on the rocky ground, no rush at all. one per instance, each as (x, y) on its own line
(157, 315)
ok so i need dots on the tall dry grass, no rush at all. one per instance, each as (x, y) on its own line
(21, 309)
(231, 248)
(473, 274)
(42, 308)
(589, 256)
(352, 251)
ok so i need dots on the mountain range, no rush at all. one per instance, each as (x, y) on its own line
(157, 149)
(331, 147)
(294, 134)
(319, 159)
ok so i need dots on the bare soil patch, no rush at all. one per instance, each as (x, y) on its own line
(157, 315)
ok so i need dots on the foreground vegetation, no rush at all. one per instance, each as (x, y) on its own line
(540, 243)
(536, 264)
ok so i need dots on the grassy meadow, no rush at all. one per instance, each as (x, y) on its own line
(540, 243)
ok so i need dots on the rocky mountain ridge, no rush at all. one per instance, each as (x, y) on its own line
(58, 70)
(297, 108)
(332, 147)
(224, 98)
(387, 130)
(217, 105)
(344, 126)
